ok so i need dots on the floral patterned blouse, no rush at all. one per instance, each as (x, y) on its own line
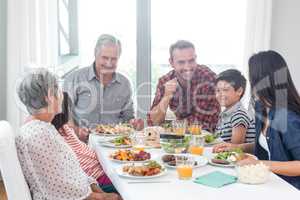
(50, 167)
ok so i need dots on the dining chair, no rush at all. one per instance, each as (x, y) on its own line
(12, 175)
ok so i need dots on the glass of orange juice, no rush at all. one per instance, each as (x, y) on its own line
(179, 127)
(184, 166)
(139, 141)
(197, 145)
(195, 128)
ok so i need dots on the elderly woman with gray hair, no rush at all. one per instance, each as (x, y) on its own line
(51, 169)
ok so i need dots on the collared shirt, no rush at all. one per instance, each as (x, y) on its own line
(283, 137)
(232, 117)
(196, 102)
(50, 167)
(94, 103)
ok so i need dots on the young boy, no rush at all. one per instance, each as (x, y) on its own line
(235, 124)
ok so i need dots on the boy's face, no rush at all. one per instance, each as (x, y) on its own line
(226, 94)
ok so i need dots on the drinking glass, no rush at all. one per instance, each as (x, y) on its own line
(184, 166)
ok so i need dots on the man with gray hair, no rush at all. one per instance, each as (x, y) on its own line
(189, 90)
(101, 95)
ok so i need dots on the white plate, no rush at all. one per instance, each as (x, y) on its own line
(201, 161)
(220, 165)
(112, 145)
(216, 141)
(120, 172)
(109, 135)
(124, 162)
(229, 165)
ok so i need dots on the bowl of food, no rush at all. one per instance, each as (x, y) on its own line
(253, 174)
(174, 143)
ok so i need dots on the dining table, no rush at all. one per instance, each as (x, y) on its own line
(170, 187)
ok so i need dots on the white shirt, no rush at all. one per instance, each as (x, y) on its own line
(51, 169)
(263, 143)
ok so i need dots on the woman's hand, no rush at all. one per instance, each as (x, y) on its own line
(224, 147)
(250, 160)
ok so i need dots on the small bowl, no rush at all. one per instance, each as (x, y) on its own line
(253, 174)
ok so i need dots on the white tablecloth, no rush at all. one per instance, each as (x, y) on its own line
(274, 189)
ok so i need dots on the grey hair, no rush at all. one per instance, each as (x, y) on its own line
(106, 39)
(34, 89)
(180, 44)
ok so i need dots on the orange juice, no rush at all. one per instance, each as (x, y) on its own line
(139, 148)
(198, 150)
(184, 172)
(179, 131)
(195, 130)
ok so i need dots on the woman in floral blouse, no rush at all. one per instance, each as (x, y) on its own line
(51, 169)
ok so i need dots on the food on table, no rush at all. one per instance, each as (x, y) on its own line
(171, 160)
(253, 174)
(119, 129)
(210, 138)
(150, 168)
(122, 140)
(229, 157)
(130, 155)
(174, 143)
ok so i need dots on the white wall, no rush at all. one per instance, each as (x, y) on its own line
(285, 35)
(3, 59)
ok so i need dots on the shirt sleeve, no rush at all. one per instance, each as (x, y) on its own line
(127, 112)
(52, 168)
(240, 118)
(158, 96)
(76, 144)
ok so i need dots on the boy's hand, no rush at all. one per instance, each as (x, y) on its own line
(224, 147)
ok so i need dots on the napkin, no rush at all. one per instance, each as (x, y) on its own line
(215, 179)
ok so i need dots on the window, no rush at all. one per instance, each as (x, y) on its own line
(147, 28)
(216, 28)
(67, 30)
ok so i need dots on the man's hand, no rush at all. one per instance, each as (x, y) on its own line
(170, 87)
(138, 124)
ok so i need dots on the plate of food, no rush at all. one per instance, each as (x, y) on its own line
(114, 130)
(126, 156)
(148, 170)
(169, 160)
(228, 158)
(118, 142)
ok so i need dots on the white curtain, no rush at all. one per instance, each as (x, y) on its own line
(30, 36)
(258, 33)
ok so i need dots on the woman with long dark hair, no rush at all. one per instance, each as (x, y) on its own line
(277, 110)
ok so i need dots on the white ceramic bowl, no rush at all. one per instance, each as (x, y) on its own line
(253, 174)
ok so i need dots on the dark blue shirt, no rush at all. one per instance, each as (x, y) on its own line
(283, 138)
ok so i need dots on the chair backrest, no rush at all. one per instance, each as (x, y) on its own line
(13, 177)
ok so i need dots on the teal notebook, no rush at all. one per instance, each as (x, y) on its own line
(216, 179)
